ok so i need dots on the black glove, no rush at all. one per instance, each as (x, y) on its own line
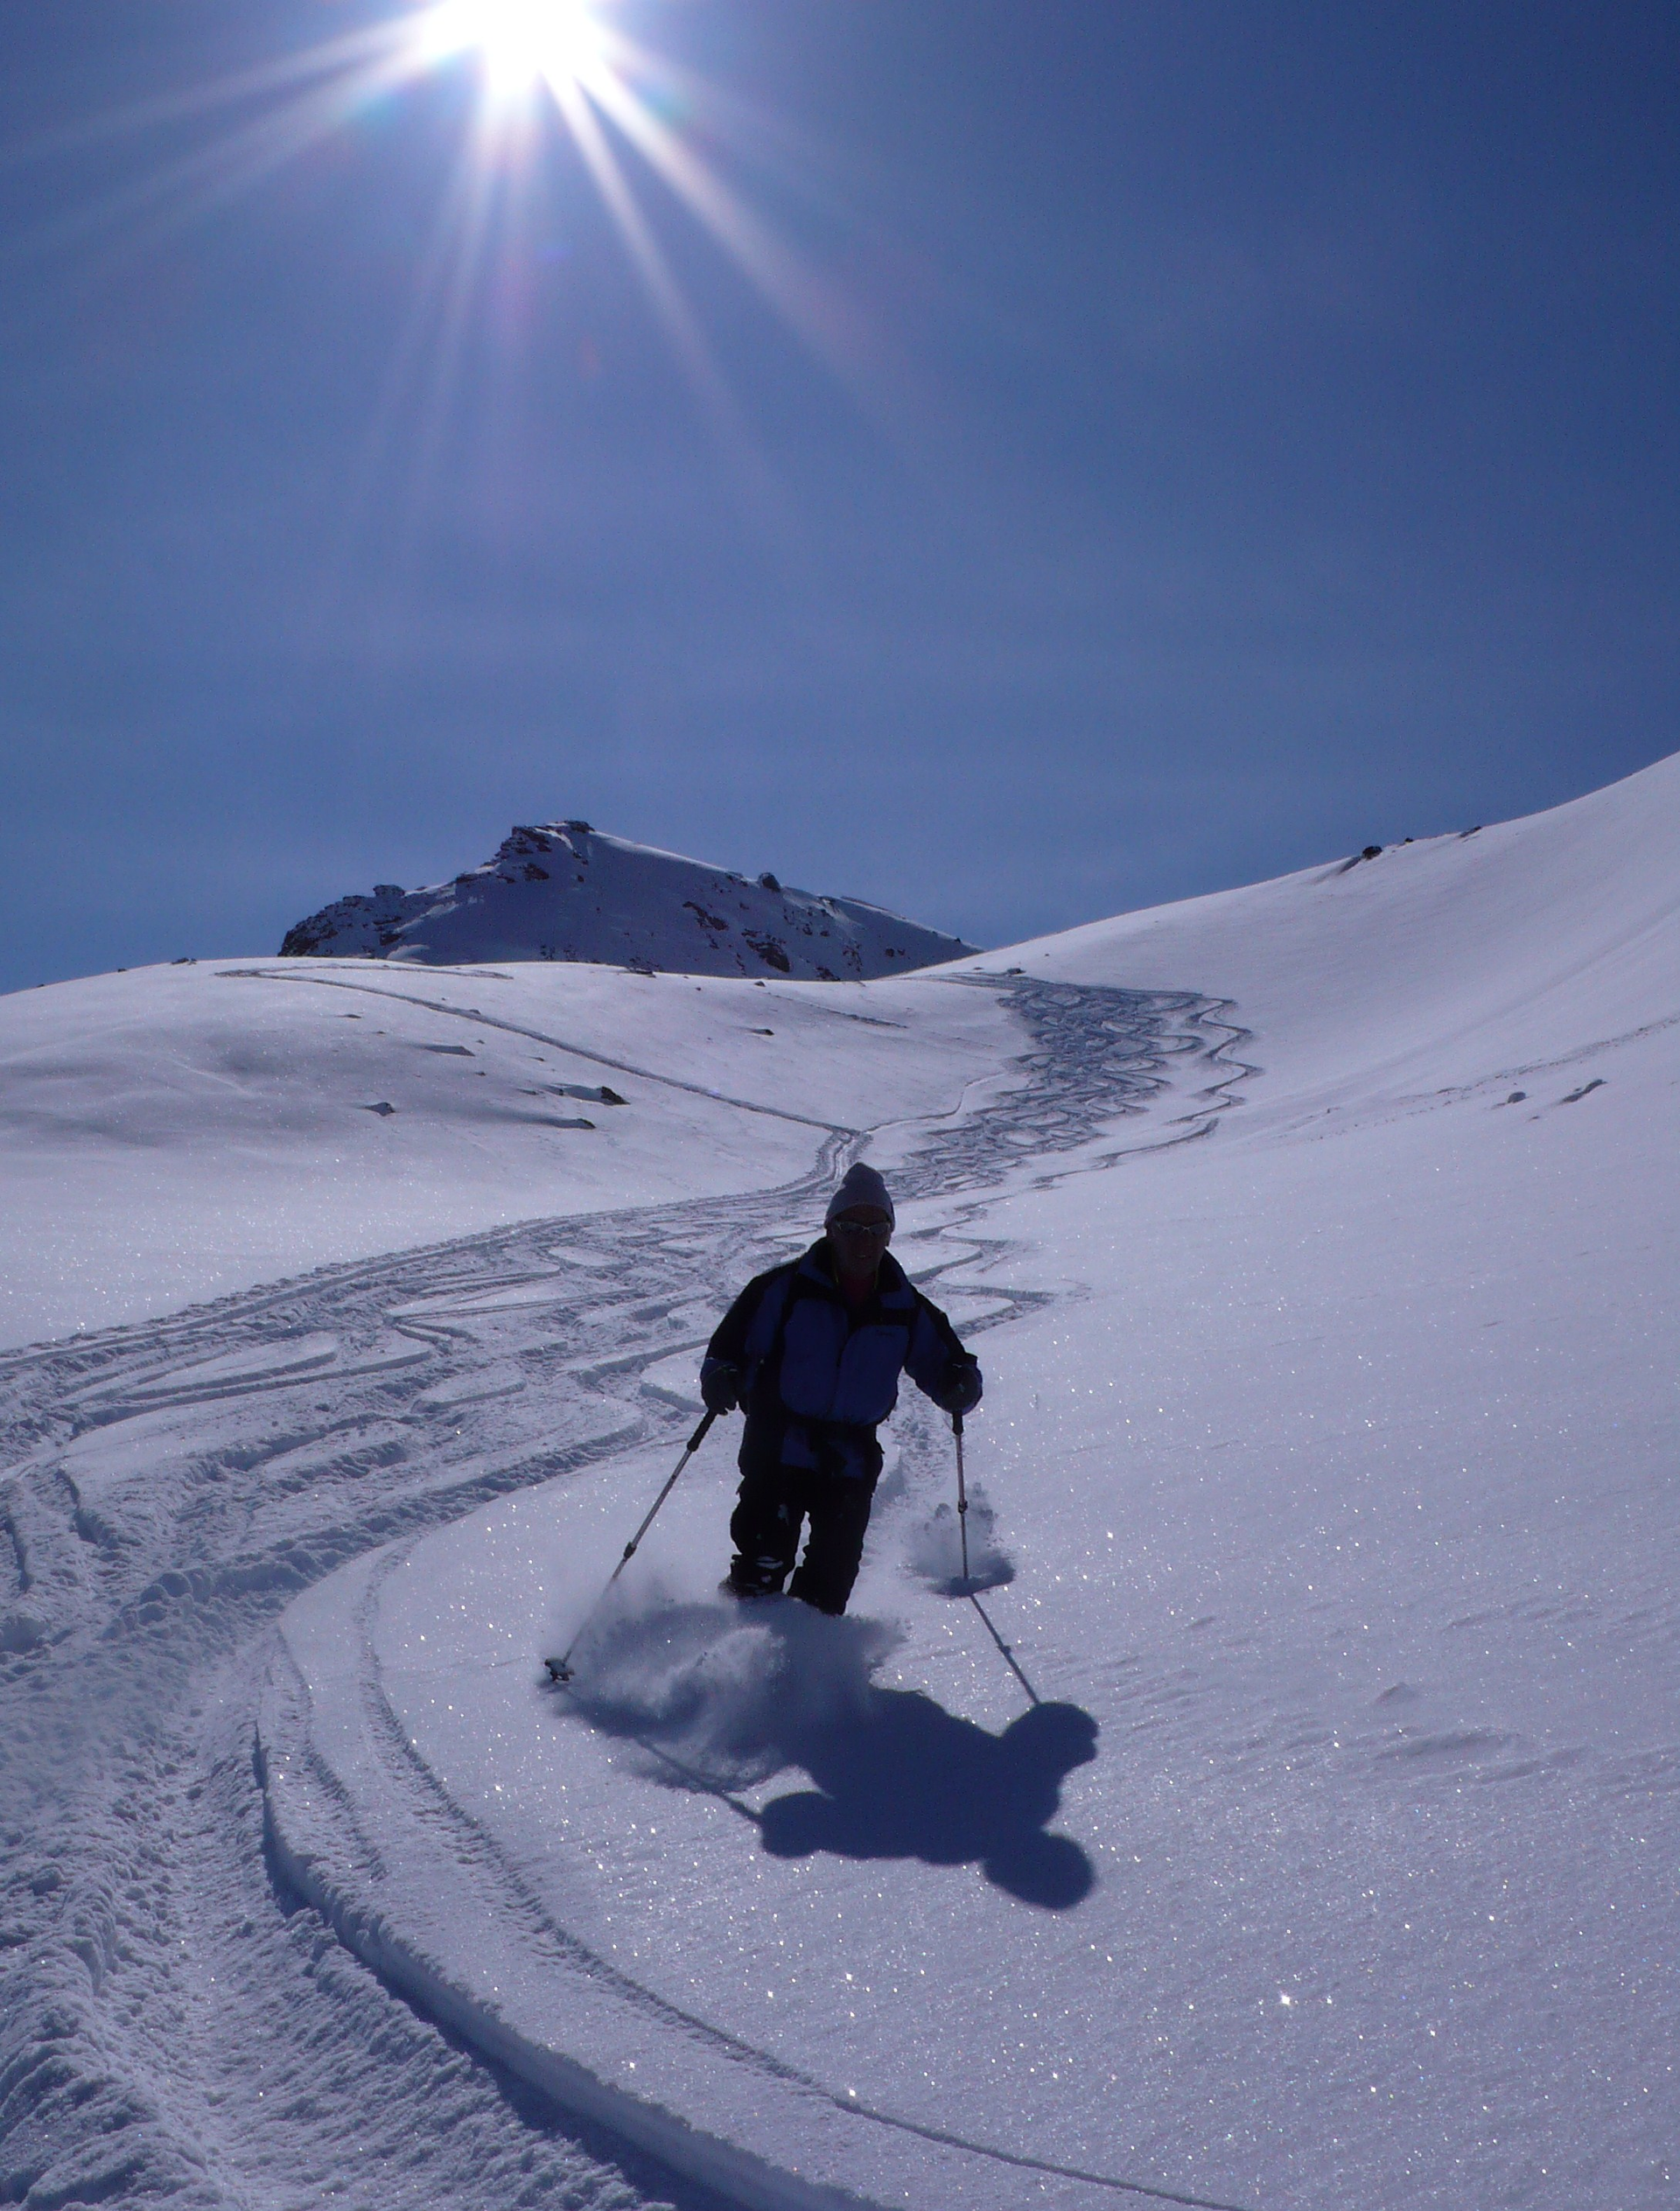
(720, 1386)
(962, 1390)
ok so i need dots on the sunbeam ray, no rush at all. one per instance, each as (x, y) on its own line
(450, 247)
(563, 59)
(454, 324)
(333, 55)
(194, 184)
(777, 272)
(681, 325)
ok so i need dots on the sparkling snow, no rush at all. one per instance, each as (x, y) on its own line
(1291, 1820)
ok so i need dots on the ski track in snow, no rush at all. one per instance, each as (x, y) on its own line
(178, 2023)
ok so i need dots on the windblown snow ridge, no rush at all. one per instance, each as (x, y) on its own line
(562, 891)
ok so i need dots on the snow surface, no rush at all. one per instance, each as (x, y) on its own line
(1292, 1818)
(177, 1132)
(562, 891)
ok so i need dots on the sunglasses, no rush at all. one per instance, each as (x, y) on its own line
(863, 1231)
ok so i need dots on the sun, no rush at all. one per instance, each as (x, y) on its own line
(520, 43)
(537, 66)
(552, 100)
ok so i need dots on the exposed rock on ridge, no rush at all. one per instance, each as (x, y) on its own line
(562, 890)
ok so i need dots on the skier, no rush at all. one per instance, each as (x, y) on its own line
(812, 1351)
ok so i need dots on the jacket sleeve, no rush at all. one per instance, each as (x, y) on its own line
(728, 1343)
(937, 1362)
(727, 1354)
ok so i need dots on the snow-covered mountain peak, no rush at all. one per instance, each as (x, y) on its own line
(564, 890)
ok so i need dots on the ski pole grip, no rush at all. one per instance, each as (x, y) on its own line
(699, 1435)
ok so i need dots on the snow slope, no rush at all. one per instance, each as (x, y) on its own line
(175, 1133)
(562, 890)
(1315, 1849)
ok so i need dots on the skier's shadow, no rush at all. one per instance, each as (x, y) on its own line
(722, 1698)
(901, 1777)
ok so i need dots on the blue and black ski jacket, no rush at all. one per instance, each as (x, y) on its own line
(815, 1377)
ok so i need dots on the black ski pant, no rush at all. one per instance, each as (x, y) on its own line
(774, 1504)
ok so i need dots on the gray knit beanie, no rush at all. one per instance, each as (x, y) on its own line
(861, 1186)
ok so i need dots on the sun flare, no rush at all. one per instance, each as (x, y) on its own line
(520, 43)
(539, 72)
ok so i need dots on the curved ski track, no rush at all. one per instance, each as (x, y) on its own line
(179, 2024)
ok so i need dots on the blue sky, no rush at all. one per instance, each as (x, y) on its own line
(1207, 437)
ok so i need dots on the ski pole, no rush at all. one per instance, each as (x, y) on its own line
(560, 1668)
(1009, 1657)
(961, 1493)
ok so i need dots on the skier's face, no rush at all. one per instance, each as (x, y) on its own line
(859, 1236)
